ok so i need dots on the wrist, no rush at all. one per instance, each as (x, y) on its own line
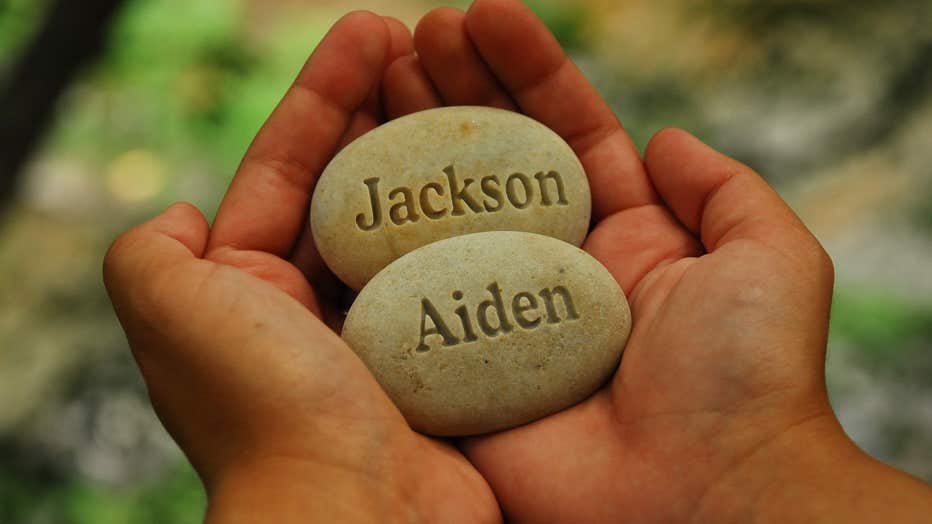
(812, 472)
(791, 463)
(299, 490)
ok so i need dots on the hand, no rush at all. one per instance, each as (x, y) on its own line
(279, 417)
(718, 411)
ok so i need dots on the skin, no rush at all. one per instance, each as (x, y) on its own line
(718, 412)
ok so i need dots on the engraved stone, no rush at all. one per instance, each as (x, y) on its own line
(488, 331)
(442, 173)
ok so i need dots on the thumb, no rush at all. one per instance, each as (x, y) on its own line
(721, 200)
(138, 257)
(763, 264)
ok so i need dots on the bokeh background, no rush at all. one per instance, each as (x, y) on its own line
(112, 109)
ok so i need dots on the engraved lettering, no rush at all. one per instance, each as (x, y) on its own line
(493, 193)
(440, 327)
(406, 206)
(376, 207)
(459, 196)
(469, 335)
(482, 314)
(518, 310)
(492, 316)
(430, 211)
(511, 191)
(544, 194)
(568, 305)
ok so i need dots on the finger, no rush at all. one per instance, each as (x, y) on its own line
(213, 340)
(265, 206)
(305, 255)
(634, 241)
(143, 255)
(328, 289)
(372, 112)
(407, 89)
(177, 236)
(453, 64)
(402, 43)
(717, 198)
(531, 65)
(273, 270)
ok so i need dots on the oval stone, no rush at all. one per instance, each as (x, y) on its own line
(442, 173)
(488, 331)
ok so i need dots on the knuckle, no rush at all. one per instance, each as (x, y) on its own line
(115, 253)
(660, 139)
(820, 263)
(826, 265)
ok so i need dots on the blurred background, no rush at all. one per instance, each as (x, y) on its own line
(112, 109)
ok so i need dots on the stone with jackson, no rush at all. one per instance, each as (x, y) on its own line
(488, 331)
(441, 173)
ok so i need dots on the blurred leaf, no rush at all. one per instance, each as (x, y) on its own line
(880, 327)
(566, 20)
(188, 79)
(922, 212)
(18, 19)
(177, 498)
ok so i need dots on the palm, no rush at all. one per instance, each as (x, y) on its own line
(699, 374)
(689, 235)
(701, 248)
(287, 384)
(262, 365)
(326, 391)
(672, 392)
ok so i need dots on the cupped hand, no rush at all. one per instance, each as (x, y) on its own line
(229, 326)
(720, 395)
(729, 293)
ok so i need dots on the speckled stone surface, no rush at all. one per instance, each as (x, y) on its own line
(488, 331)
(442, 173)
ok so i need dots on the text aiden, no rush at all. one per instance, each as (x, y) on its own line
(492, 315)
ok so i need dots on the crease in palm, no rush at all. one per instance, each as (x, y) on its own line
(698, 348)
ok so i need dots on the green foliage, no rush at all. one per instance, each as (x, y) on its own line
(176, 498)
(166, 78)
(193, 81)
(845, 16)
(882, 329)
(649, 106)
(189, 79)
(18, 20)
(922, 212)
(568, 21)
(259, 90)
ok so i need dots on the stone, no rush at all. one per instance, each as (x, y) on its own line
(442, 173)
(488, 331)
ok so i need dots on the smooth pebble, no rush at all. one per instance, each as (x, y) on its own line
(441, 173)
(488, 331)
